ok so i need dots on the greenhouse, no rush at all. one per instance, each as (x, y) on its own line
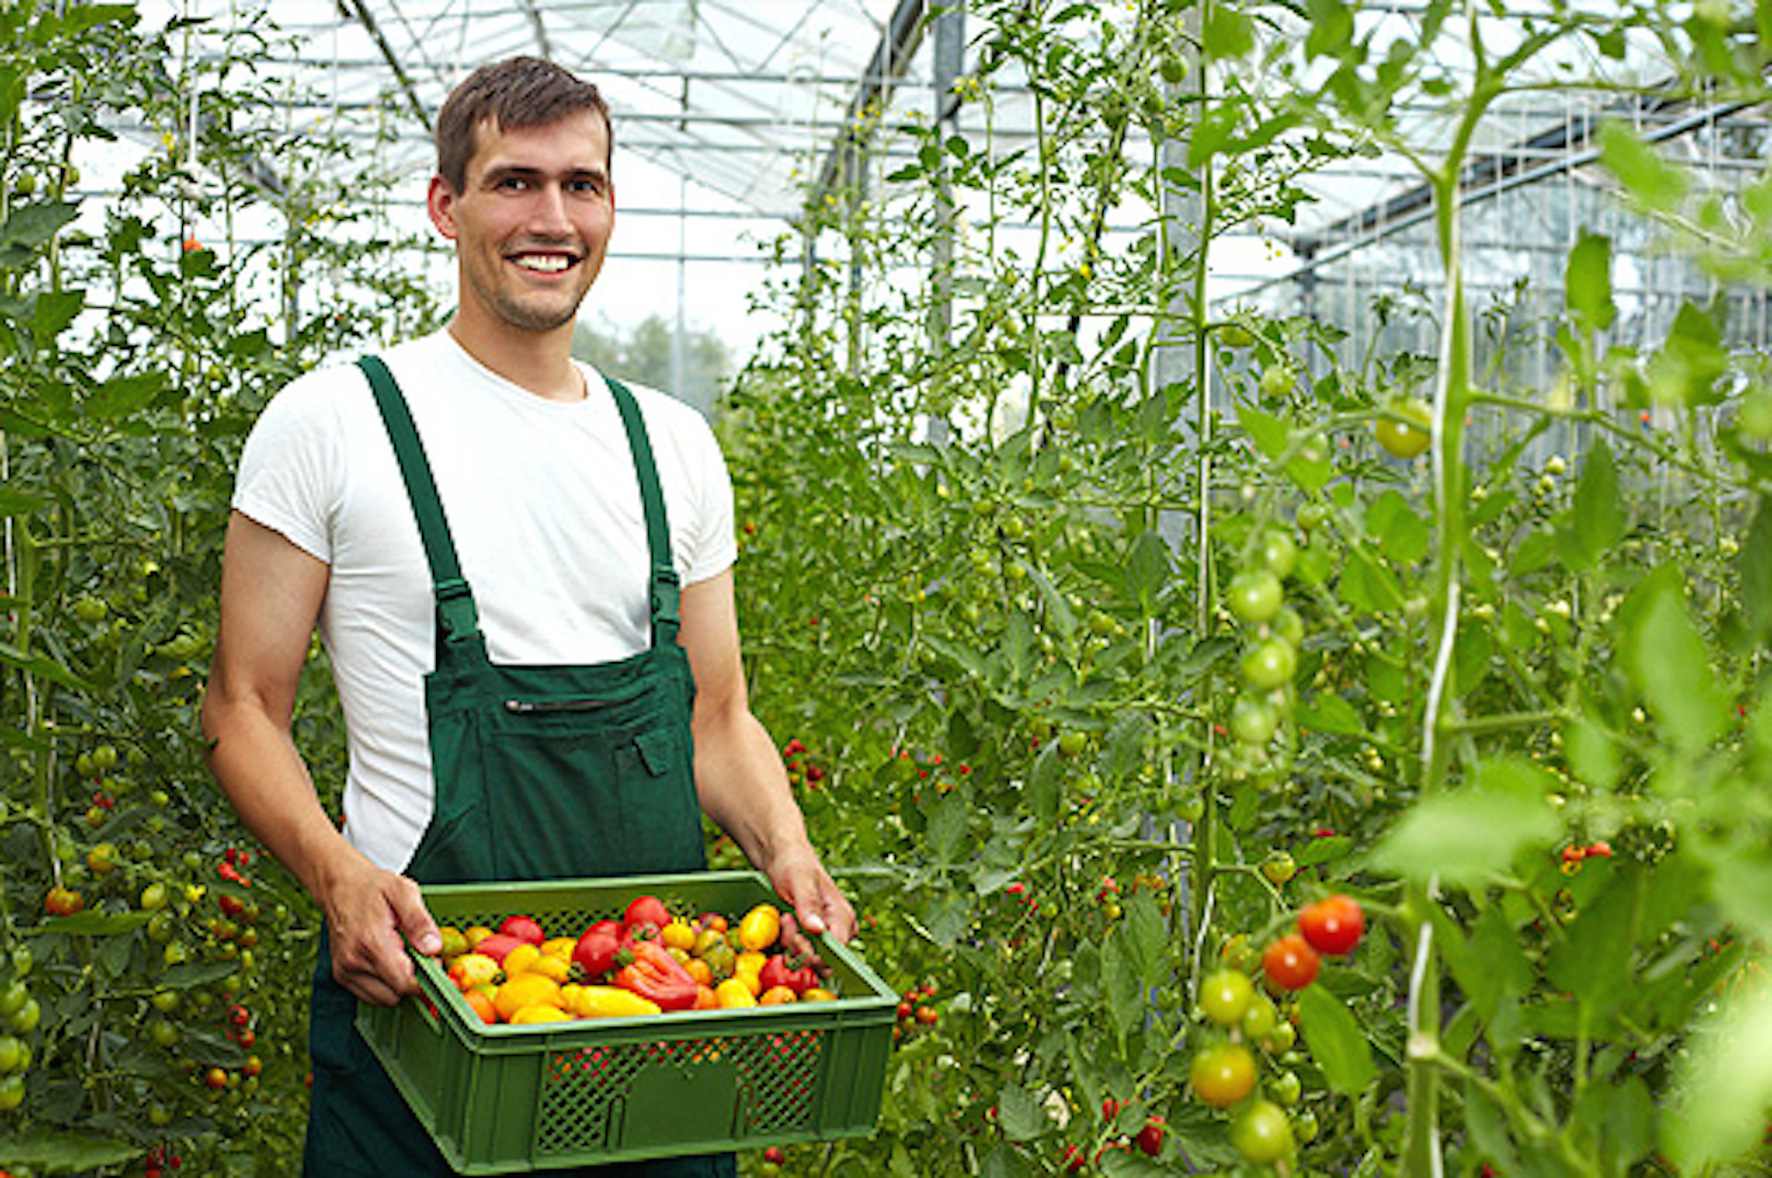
(1169, 587)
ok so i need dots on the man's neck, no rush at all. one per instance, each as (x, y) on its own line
(540, 362)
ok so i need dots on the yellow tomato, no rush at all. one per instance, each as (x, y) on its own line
(733, 994)
(476, 934)
(470, 969)
(817, 994)
(677, 935)
(777, 996)
(521, 960)
(454, 943)
(611, 1002)
(760, 927)
(750, 962)
(549, 966)
(559, 947)
(524, 990)
(541, 1012)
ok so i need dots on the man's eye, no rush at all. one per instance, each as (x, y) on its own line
(512, 183)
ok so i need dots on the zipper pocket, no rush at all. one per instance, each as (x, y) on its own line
(530, 707)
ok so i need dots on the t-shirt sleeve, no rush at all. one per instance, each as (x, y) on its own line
(710, 548)
(291, 470)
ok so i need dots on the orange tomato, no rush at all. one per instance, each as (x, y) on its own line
(523, 991)
(705, 999)
(777, 996)
(481, 1004)
(700, 971)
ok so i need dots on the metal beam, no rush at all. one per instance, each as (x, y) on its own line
(541, 31)
(356, 8)
(891, 57)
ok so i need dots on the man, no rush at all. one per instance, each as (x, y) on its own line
(523, 576)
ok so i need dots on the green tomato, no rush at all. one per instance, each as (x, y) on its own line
(1311, 516)
(91, 609)
(12, 1093)
(1278, 867)
(1225, 995)
(1231, 335)
(21, 962)
(1278, 553)
(1276, 379)
(1285, 1088)
(13, 999)
(1261, 1018)
(1289, 626)
(1253, 720)
(1406, 430)
(1255, 596)
(1261, 1132)
(1071, 744)
(1304, 1127)
(165, 1001)
(25, 1019)
(1269, 664)
(12, 1053)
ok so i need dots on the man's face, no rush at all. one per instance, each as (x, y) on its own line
(532, 224)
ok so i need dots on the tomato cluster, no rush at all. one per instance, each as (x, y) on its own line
(648, 961)
(916, 1010)
(1224, 1072)
(1259, 721)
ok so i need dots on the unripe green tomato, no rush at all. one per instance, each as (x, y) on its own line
(159, 1115)
(21, 962)
(1304, 1127)
(83, 765)
(1278, 867)
(12, 1093)
(1276, 379)
(1225, 994)
(165, 1001)
(1269, 664)
(1072, 743)
(1281, 1039)
(163, 1032)
(24, 1020)
(1261, 1132)
(25, 183)
(1261, 1018)
(173, 954)
(153, 897)
(1253, 720)
(1190, 808)
(1285, 1088)
(1408, 437)
(1231, 335)
(13, 998)
(104, 758)
(1289, 626)
(1254, 596)
(91, 609)
(1278, 553)
(12, 1053)
(1311, 516)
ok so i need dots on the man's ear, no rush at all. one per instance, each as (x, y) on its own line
(440, 201)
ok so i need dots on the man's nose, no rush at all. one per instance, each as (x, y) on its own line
(548, 213)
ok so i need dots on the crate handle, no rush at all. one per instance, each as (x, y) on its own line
(427, 1010)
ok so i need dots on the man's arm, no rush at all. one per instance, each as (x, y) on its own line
(739, 776)
(270, 597)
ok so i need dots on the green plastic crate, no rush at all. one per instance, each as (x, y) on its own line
(502, 1099)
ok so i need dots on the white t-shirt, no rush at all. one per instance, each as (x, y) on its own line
(543, 504)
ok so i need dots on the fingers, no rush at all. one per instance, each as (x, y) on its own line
(819, 905)
(370, 928)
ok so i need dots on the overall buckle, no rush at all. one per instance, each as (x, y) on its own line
(456, 612)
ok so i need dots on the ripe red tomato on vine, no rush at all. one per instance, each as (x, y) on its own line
(1333, 925)
(1290, 963)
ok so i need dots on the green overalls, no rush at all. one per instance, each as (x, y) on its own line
(539, 772)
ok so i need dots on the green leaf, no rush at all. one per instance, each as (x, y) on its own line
(1496, 971)
(93, 923)
(1045, 783)
(1331, 29)
(1212, 131)
(1656, 184)
(54, 1151)
(947, 827)
(1755, 567)
(1587, 282)
(123, 395)
(196, 973)
(1367, 585)
(53, 312)
(1593, 756)
(1146, 937)
(1059, 616)
(1686, 369)
(1673, 671)
(1125, 743)
(16, 502)
(1725, 1086)
(1147, 567)
(1323, 850)
(42, 665)
(1488, 1128)
(1471, 652)
(1328, 712)
(1402, 535)
(1124, 989)
(1467, 836)
(1595, 956)
(1004, 1162)
(1019, 1113)
(1597, 519)
(1229, 33)
(30, 226)
(965, 657)
(1336, 1042)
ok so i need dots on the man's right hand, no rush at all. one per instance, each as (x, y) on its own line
(371, 916)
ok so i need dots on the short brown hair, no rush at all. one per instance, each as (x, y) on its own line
(514, 93)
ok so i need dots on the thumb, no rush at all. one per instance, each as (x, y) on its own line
(415, 920)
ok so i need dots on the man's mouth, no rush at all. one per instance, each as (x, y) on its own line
(544, 263)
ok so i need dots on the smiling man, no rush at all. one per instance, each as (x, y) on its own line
(522, 572)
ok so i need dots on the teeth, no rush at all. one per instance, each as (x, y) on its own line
(547, 263)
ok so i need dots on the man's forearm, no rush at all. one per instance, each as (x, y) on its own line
(259, 770)
(742, 786)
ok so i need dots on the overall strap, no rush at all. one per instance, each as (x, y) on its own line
(666, 587)
(457, 619)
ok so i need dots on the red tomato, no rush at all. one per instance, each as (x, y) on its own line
(524, 928)
(1150, 1138)
(498, 946)
(596, 949)
(1290, 962)
(1334, 925)
(646, 910)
